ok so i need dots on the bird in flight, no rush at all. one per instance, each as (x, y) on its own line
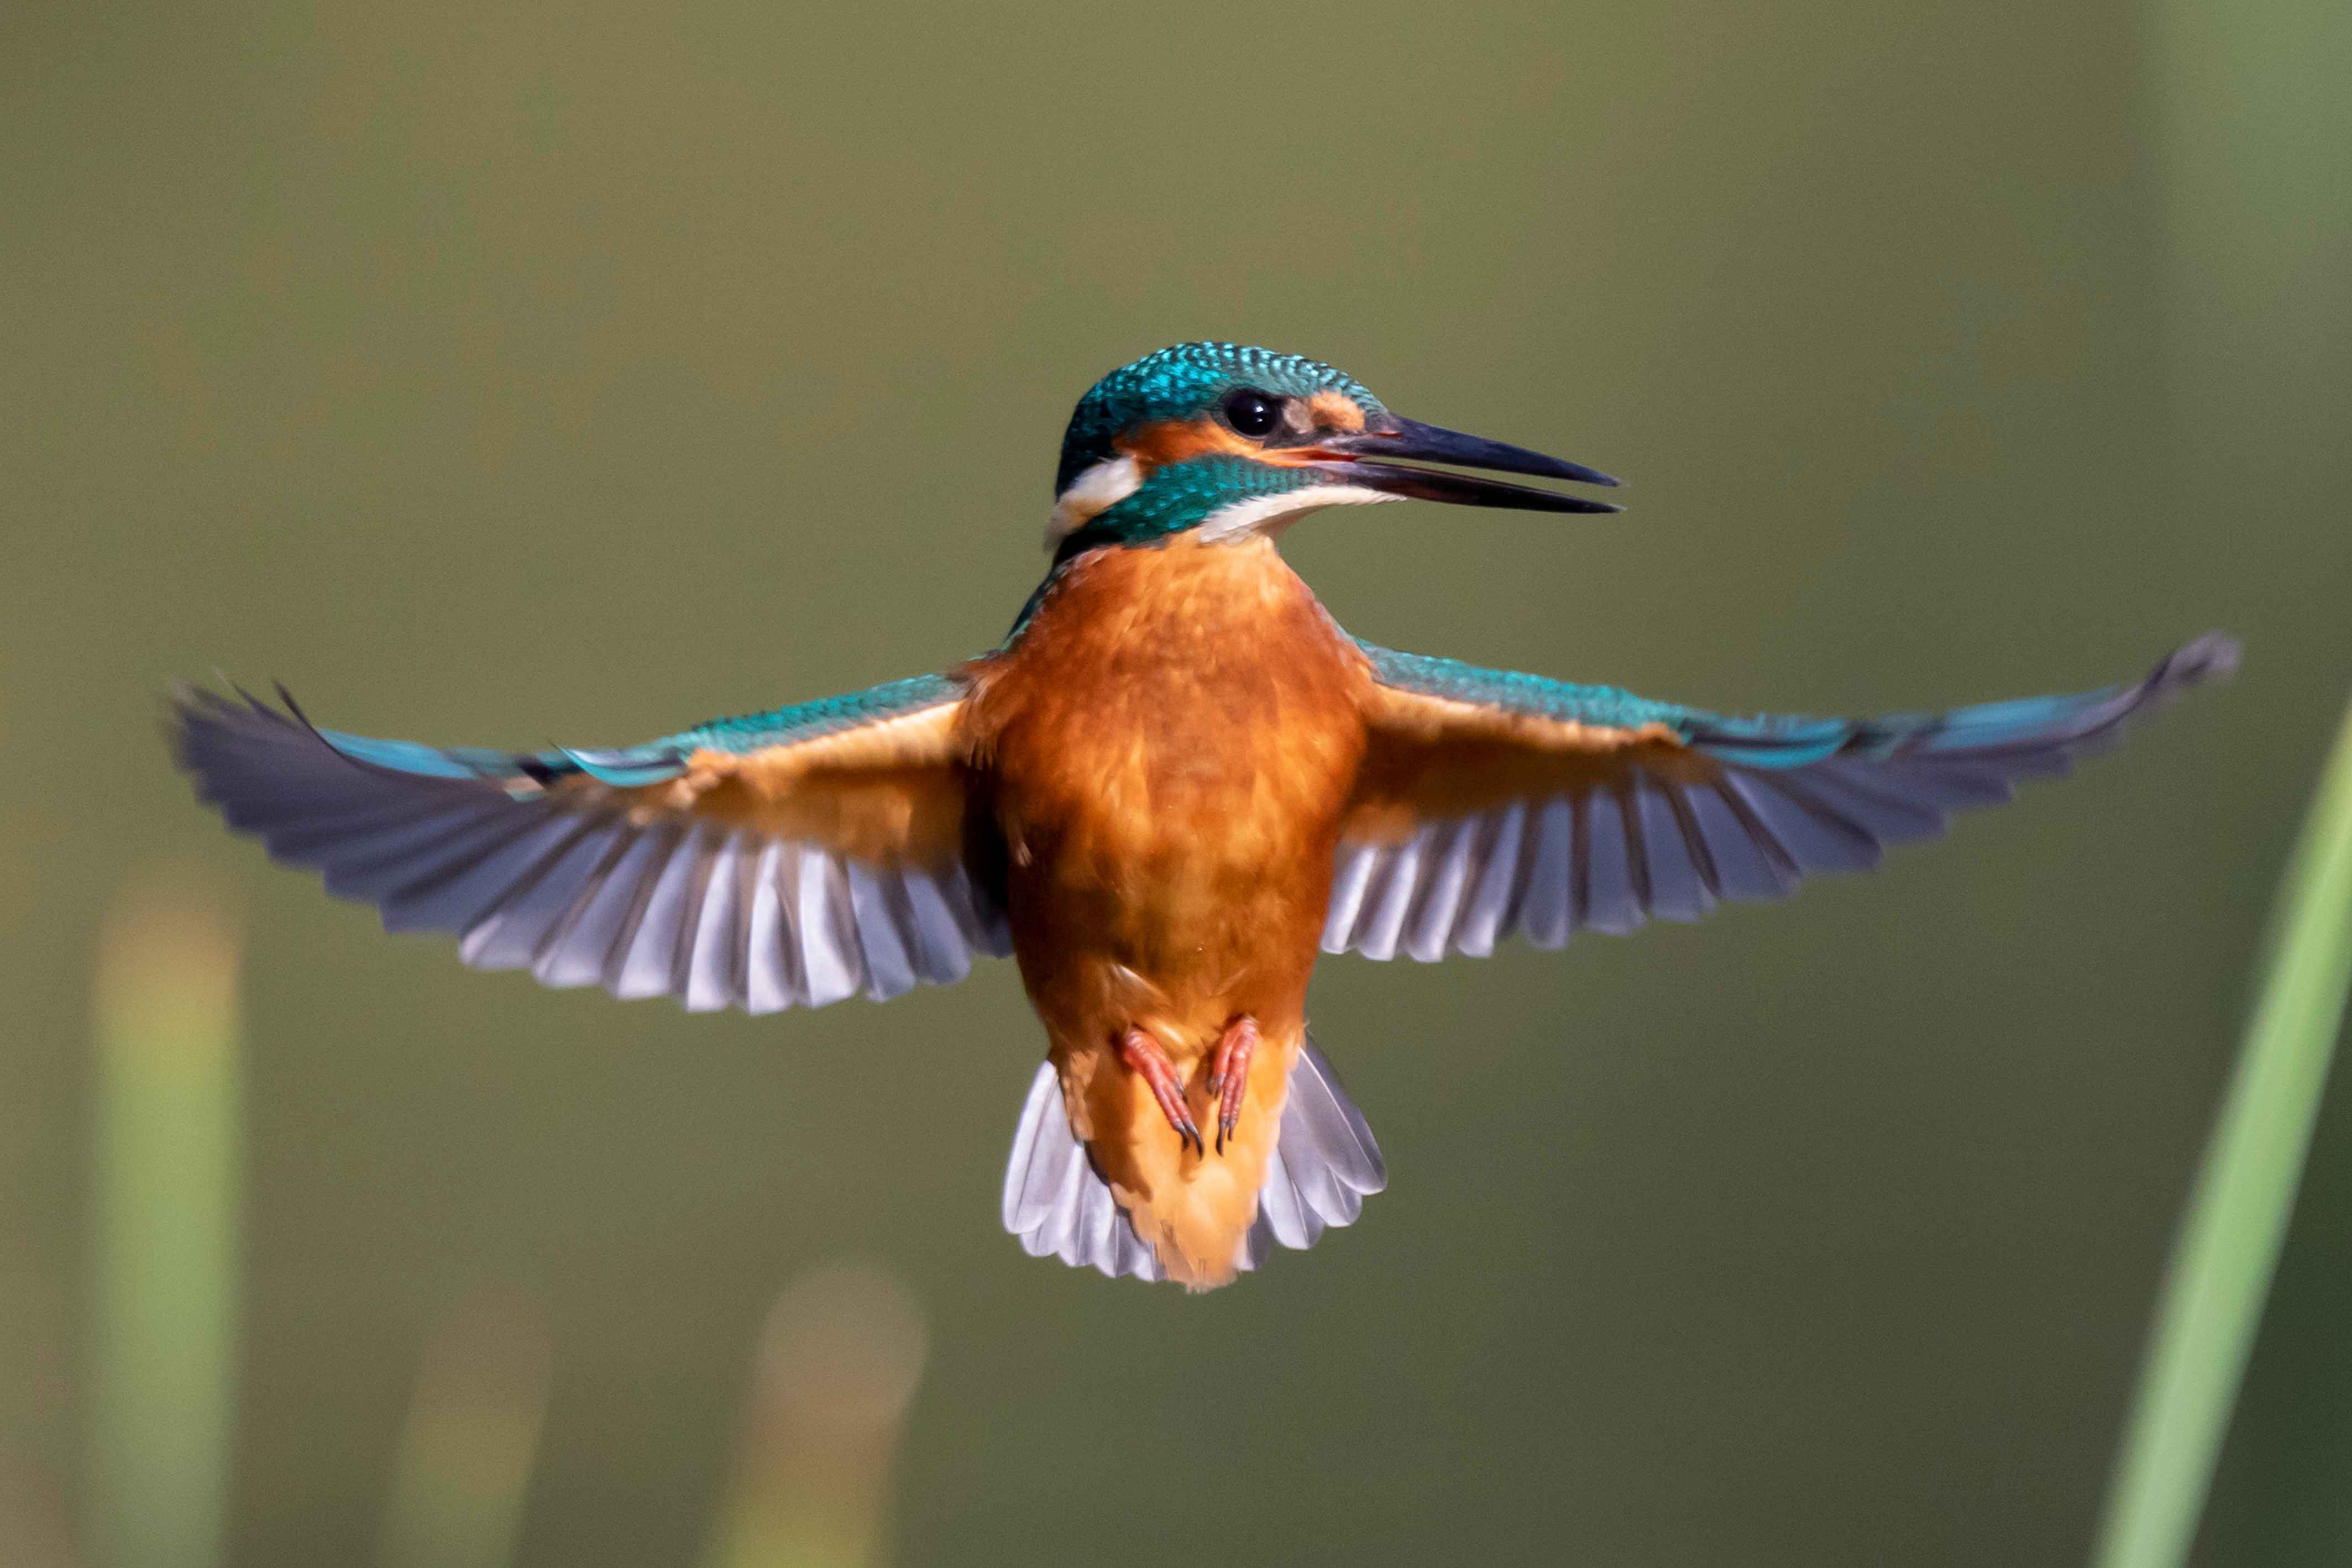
(1175, 783)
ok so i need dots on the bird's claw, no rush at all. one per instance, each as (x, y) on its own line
(1229, 1067)
(1229, 1074)
(1144, 1058)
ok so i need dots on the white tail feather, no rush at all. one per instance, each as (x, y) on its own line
(1324, 1163)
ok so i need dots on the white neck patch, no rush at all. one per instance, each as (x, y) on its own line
(1091, 494)
(1272, 514)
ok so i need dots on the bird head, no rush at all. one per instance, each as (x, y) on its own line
(1228, 442)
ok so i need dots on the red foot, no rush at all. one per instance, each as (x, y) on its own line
(1144, 1058)
(1229, 1074)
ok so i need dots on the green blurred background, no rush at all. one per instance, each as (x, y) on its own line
(580, 373)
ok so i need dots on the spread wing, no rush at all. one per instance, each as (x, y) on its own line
(1492, 801)
(785, 859)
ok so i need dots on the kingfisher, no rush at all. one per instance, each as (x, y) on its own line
(1174, 784)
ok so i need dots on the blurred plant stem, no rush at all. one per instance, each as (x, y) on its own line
(2244, 1196)
(472, 1432)
(2253, 135)
(839, 1360)
(166, 1187)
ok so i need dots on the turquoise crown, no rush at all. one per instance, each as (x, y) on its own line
(1185, 381)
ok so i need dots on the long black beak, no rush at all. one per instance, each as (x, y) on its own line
(1377, 459)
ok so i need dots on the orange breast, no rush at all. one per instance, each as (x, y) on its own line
(1168, 751)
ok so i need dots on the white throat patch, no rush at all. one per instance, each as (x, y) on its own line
(1272, 514)
(1091, 494)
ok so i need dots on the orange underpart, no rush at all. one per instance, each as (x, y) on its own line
(1165, 755)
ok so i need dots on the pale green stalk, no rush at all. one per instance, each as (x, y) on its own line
(166, 1185)
(2244, 1195)
(466, 1451)
(839, 1360)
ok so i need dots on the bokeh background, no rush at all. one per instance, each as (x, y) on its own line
(509, 374)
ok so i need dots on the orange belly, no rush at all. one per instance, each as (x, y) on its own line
(1167, 751)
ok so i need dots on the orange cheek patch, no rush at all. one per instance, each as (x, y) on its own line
(1178, 440)
(1335, 411)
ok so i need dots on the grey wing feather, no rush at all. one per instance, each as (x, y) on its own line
(1790, 798)
(585, 895)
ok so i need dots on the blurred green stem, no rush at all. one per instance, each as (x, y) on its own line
(166, 1187)
(2244, 1196)
(839, 1360)
(466, 1453)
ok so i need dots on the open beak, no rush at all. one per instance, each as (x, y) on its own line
(1378, 459)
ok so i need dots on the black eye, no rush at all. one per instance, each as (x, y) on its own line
(1250, 412)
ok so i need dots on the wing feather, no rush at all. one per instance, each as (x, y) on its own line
(785, 860)
(1494, 803)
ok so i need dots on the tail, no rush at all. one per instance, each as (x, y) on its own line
(1324, 1164)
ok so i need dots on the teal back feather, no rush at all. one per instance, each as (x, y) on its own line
(1774, 741)
(656, 761)
(1516, 692)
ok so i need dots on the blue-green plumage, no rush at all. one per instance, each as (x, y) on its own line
(1182, 381)
(1179, 496)
(1515, 691)
(655, 760)
(1788, 740)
